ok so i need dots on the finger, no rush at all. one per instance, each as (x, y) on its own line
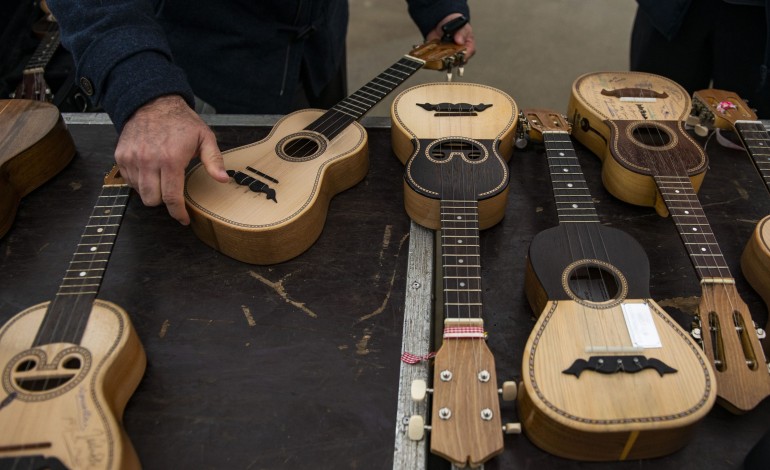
(212, 159)
(172, 193)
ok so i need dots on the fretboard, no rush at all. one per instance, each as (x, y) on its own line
(45, 50)
(353, 107)
(694, 229)
(573, 199)
(461, 259)
(68, 313)
(757, 141)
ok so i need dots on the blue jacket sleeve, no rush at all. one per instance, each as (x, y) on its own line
(122, 58)
(427, 13)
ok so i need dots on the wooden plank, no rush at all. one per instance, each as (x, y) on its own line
(418, 310)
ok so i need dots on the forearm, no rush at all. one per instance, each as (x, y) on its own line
(121, 54)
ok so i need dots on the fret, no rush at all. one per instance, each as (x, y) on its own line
(461, 260)
(85, 273)
(574, 202)
(353, 107)
(757, 142)
(44, 51)
(693, 226)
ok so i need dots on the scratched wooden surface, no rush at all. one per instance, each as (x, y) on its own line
(297, 364)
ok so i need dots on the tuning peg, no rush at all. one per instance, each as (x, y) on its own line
(696, 333)
(460, 70)
(416, 429)
(692, 120)
(761, 334)
(520, 142)
(419, 390)
(509, 391)
(701, 130)
(449, 75)
(512, 428)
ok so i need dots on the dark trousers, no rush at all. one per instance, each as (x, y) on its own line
(719, 45)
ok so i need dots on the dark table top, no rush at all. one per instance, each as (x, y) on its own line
(297, 364)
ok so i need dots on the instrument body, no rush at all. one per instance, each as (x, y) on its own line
(590, 389)
(275, 205)
(35, 145)
(634, 121)
(417, 132)
(448, 135)
(612, 122)
(70, 365)
(77, 424)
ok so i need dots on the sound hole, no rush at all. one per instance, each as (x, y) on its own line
(593, 283)
(651, 136)
(446, 148)
(38, 374)
(301, 148)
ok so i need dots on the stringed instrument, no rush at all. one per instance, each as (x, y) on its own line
(275, 205)
(455, 140)
(726, 110)
(635, 122)
(602, 353)
(70, 365)
(33, 85)
(35, 145)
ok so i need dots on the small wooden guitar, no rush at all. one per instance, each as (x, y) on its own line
(726, 110)
(275, 206)
(602, 353)
(635, 122)
(34, 146)
(70, 365)
(455, 139)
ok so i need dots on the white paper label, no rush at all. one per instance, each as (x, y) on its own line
(641, 326)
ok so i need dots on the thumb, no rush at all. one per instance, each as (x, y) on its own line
(212, 159)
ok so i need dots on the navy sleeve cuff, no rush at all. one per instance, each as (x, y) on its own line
(138, 80)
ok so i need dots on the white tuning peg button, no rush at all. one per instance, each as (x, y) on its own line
(419, 390)
(701, 130)
(692, 120)
(509, 391)
(416, 429)
(512, 428)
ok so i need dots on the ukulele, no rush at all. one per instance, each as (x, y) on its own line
(70, 365)
(726, 110)
(34, 146)
(602, 353)
(275, 205)
(455, 140)
(634, 122)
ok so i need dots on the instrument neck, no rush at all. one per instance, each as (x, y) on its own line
(573, 199)
(45, 50)
(67, 314)
(353, 108)
(460, 259)
(694, 229)
(757, 142)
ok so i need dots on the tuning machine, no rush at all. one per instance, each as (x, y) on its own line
(419, 391)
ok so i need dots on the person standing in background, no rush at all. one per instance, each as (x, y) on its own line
(723, 44)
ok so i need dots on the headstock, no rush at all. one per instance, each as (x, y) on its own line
(720, 109)
(439, 55)
(538, 121)
(114, 178)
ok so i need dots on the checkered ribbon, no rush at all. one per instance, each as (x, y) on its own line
(464, 332)
(410, 358)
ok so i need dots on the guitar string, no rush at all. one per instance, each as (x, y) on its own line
(84, 303)
(674, 165)
(565, 159)
(337, 118)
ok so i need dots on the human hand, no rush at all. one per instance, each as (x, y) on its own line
(155, 146)
(463, 36)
